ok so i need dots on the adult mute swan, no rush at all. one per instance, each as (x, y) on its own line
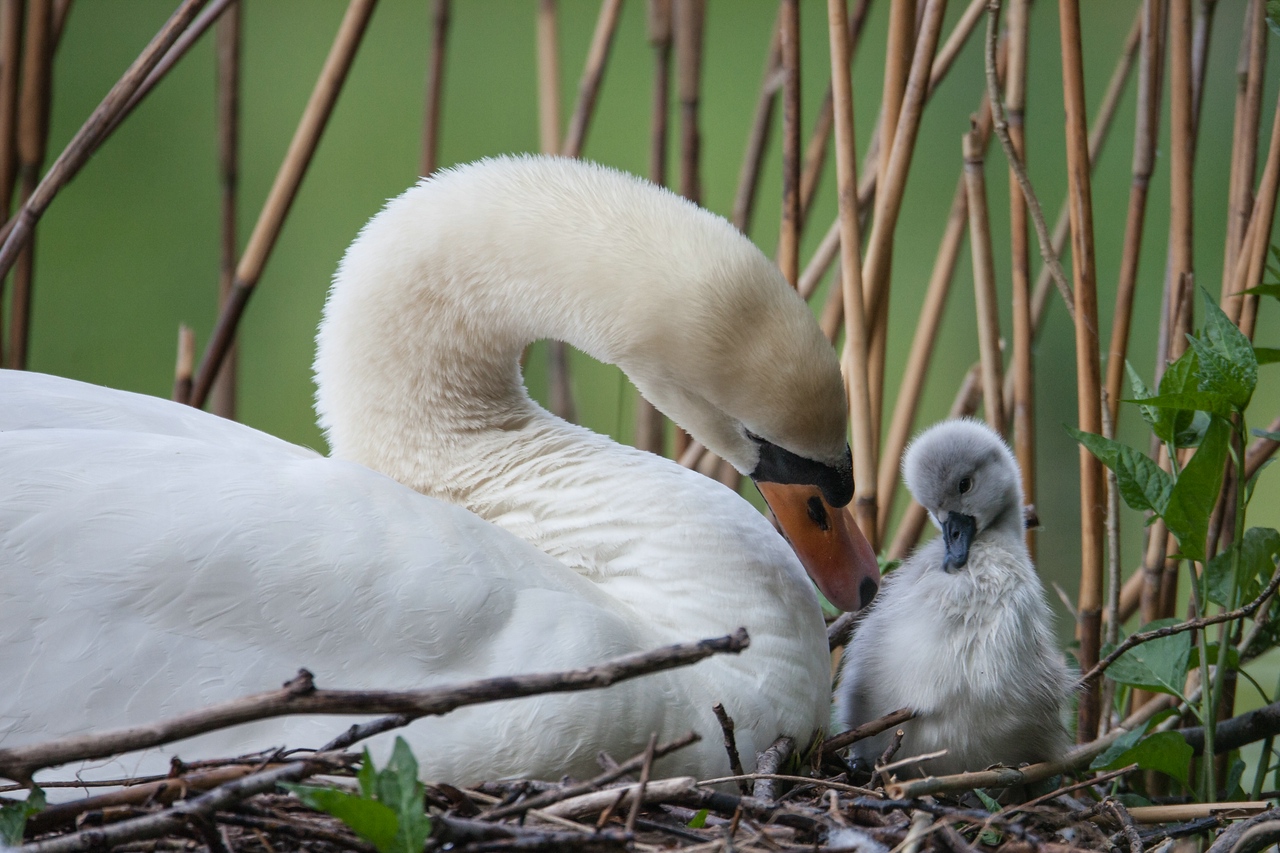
(157, 559)
(961, 631)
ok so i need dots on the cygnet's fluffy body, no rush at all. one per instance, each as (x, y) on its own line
(961, 631)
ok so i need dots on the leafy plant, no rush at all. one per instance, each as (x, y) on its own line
(13, 817)
(388, 812)
(1198, 415)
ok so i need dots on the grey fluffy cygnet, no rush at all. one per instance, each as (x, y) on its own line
(961, 631)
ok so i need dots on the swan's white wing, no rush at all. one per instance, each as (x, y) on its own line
(146, 574)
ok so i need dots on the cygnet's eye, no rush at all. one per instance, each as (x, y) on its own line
(966, 484)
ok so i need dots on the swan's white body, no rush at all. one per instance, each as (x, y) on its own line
(970, 649)
(157, 559)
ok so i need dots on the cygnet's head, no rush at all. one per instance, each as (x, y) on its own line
(963, 473)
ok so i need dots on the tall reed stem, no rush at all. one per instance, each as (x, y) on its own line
(984, 281)
(223, 395)
(789, 242)
(435, 87)
(548, 78)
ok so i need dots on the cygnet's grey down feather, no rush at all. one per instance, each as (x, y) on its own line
(961, 631)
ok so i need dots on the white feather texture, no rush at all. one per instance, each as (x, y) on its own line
(971, 649)
(158, 559)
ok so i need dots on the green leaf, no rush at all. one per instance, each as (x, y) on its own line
(1190, 401)
(699, 820)
(1142, 484)
(1233, 657)
(1167, 752)
(1142, 392)
(1158, 665)
(1262, 433)
(1227, 363)
(1266, 355)
(1196, 491)
(1273, 16)
(1120, 746)
(1253, 481)
(988, 801)
(1234, 775)
(1272, 290)
(13, 817)
(373, 821)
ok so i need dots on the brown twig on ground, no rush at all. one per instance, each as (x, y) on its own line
(869, 729)
(1169, 630)
(645, 770)
(1245, 837)
(769, 765)
(301, 697)
(730, 745)
(435, 86)
(1128, 827)
(1066, 789)
(895, 743)
(283, 190)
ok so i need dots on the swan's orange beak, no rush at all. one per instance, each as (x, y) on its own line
(829, 544)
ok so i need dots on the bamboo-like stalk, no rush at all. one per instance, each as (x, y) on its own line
(283, 190)
(1244, 148)
(548, 78)
(690, 17)
(855, 349)
(33, 137)
(58, 23)
(984, 280)
(1088, 372)
(592, 76)
(914, 519)
(10, 60)
(789, 241)
(1022, 406)
(184, 363)
(1181, 157)
(1253, 253)
(1200, 35)
(744, 200)
(1146, 132)
(435, 86)
(650, 424)
(223, 395)
(82, 145)
(889, 192)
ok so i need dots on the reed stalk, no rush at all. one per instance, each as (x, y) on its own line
(1088, 371)
(650, 424)
(548, 78)
(1250, 67)
(33, 137)
(789, 241)
(758, 138)
(10, 61)
(1253, 254)
(184, 363)
(1022, 406)
(283, 190)
(854, 358)
(223, 395)
(690, 16)
(984, 280)
(592, 76)
(1146, 132)
(435, 86)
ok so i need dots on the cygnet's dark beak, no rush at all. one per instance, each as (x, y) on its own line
(957, 534)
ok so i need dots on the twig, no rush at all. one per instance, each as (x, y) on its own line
(301, 697)
(839, 631)
(895, 743)
(1169, 630)
(869, 729)
(591, 803)
(283, 190)
(435, 86)
(1242, 837)
(768, 765)
(645, 769)
(782, 777)
(1067, 789)
(592, 75)
(1129, 828)
(731, 745)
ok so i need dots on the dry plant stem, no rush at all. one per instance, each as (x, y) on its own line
(915, 518)
(1181, 136)
(690, 17)
(223, 395)
(174, 819)
(1253, 253)
(283, 190)
(1146, 131)
(872, 728)
(84, 142)
(10, 59)
(184, 364)
(731, 746)
(1127, 824)
(33, 135)
(768, 766)
(1067, 789)
(592, 76)
(1244, 150)
(549, 76)
(1112, 611)
(854, 359)
(301, 697)
(435, 86)
(645, 770)
(789, 242)
(984, 282)
(758, 139)
(1190, 625)
(1088, 373)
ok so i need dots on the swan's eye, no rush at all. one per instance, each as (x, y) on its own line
(819, 513)
(965, 485)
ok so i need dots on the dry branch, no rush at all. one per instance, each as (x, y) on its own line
(869, 729)
(301, 697)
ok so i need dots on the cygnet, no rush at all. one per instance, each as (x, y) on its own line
(961, 631)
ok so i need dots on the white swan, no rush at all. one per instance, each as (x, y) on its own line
(156, 558)
(961, 631)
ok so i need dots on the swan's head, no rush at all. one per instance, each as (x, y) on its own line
(963, 473)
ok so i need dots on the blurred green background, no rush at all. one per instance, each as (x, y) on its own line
(130, 249)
